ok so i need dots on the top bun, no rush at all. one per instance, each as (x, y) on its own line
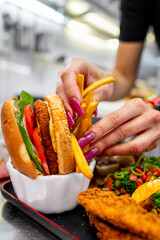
(60, 134)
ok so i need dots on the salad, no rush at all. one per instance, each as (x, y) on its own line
(128, 179)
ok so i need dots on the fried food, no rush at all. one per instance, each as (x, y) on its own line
(121, 211)
(42, 117)
(108, 231)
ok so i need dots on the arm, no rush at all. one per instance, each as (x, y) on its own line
(126, 65)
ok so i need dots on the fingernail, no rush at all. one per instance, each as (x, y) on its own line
(86, 139)
(77, 107)
(91, 154)
(96, 112)
(70, 120)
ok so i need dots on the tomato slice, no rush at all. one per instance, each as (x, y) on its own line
(30, 120)
(38, 145)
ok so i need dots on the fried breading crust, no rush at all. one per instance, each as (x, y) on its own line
(121, 211)
(42, 118)
(108, 231)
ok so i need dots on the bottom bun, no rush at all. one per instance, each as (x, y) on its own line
(49, 194)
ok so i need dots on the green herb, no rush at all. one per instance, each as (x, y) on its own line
(128, 185)
(154, 162)
(29, 147)
(156, 199)
(150, 165)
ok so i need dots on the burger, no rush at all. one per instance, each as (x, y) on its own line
(37, 135)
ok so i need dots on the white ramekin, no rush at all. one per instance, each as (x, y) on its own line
(49, 194)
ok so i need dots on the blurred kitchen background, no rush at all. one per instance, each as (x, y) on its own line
(37, 38)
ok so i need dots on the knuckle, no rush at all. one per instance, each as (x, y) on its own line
(121, 133)
(155, 144)
(114, 118)
(155, 117)
(103, 145)
(136, 148)
(60, 72)
(138, 102)
(98, 130)
(64, 74)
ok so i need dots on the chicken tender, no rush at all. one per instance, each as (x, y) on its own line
(121, 211)
(108, 231)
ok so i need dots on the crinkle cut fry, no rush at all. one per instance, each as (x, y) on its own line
(108, 231)
(121, 211)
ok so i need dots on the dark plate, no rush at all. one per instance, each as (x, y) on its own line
(69, 225)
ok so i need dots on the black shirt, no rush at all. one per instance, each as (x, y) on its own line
(136, 17)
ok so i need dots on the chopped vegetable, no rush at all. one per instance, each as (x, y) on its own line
(128, 185)
(156, 199)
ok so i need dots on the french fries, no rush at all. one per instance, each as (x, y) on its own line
(98, 84)
(83, 123)
(80, 159)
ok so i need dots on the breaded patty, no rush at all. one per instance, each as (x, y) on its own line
(42, 118)
(108, 231)
(121, 211)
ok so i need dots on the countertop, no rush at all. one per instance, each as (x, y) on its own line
(15, 225)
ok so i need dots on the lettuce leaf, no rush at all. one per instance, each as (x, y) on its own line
(25, 99)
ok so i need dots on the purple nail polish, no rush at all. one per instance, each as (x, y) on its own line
(70, 120)
(77, 107)
(91, 154)
(86, 139)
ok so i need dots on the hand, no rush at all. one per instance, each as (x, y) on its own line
(67, 87)
(134, 118)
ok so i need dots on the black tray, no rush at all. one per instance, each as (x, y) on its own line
(67, 226)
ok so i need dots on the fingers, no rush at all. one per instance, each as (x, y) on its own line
(69, 80)
(142, 143)
(61, 92)
(112, 121)
(130, 128)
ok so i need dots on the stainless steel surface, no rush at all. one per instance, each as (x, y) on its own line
(15, 225)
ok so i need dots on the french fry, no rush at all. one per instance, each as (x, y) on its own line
(83, 105)
(78, 169)
(89, 98)
(85, 124)
(77, 122)
(83, 127)
(90, 110)
(76, 130)
(97, 84)
(80, 81)
(80, 159)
